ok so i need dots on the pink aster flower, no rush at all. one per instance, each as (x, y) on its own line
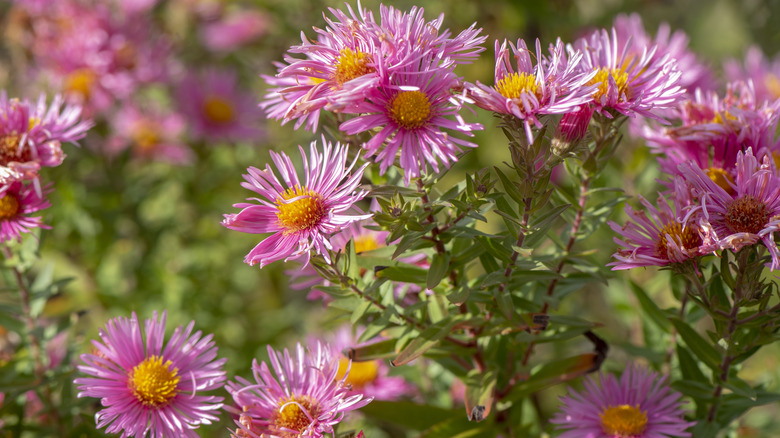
(629, 82)
(370, 378)
(658, 236)
(639, 405)
(302, 397)
(713, 128)
(413, 111)
(217, 108)
(150, 134)
(693, 73)
(18, 201)
(148, 386)
(746, 214)
(551, 85)
(301, 215)
(31, 135)
(764, 73)
(234, 30)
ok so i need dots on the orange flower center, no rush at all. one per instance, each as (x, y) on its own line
(722, 178)
(153, 382)
(623, 421)
(218, 110)
(81, 82)
(688, 238)
(9, 206)
(367, 242)
(746, 215)
(410, 109)
(296, 414)
(301, 214)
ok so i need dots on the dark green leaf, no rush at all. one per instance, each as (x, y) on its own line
(699, 346)
(656, 315)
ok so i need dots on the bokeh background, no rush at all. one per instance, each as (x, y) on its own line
(138, 234)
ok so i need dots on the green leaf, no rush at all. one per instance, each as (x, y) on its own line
(689, 366)
(699, 346)
(424, 342)
(404, 273)
(655, 314)
(459, 427)
(377, 350)
(479, 394)
(509, 187)
(439, 266)
(459, 295)
(407, 414)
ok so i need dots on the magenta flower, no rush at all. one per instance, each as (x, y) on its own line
(234, 30)
(764, 73)
(551, 85)
(411, 111)
(300, 397)
(628, 81)
(150, 134)
(658, 236)
(639, 405)
(216, 107)
(31, 135)
(301, 216)
(17, 202)
(693, 73)
(744, 215)
(148, 386)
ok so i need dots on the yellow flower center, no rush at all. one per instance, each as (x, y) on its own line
(153, 382)
(296, 413)
(10, 146)
(602, 78)
(624, 421)
(146, 136)
(410, 109)
(218, 110)
(746, 215)
(772, 84)
(301, 214)
(9, 206)
(722, 178)
(512, 86)
(81, 82)
(360, 373)
(351, 64)
(366, 242)
(688, 238)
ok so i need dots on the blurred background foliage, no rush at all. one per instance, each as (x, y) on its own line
(135, 235)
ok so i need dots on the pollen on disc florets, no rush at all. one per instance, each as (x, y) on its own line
(303, 213)
(410, 109)
(11, 149)
(351, 64)
(9, 206)
(515, 84)
(295, 413)
(153, 382)
(623, 421)
(602, 78)
(686, 237)
(746, 214)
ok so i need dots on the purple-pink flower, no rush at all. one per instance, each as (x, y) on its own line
(148, 386)
(744, 215)
(18, 201)
(301, 214)
(217, 108)
(151, 134)
(298, 397)
(550, 85)
(639, 405)
(757, 68)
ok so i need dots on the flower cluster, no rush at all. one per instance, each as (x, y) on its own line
(31, 137)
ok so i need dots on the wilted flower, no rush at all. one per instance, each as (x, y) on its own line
(301, 215)
(147, 386)
(639, 405)
(301, 397)
(747, 213)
